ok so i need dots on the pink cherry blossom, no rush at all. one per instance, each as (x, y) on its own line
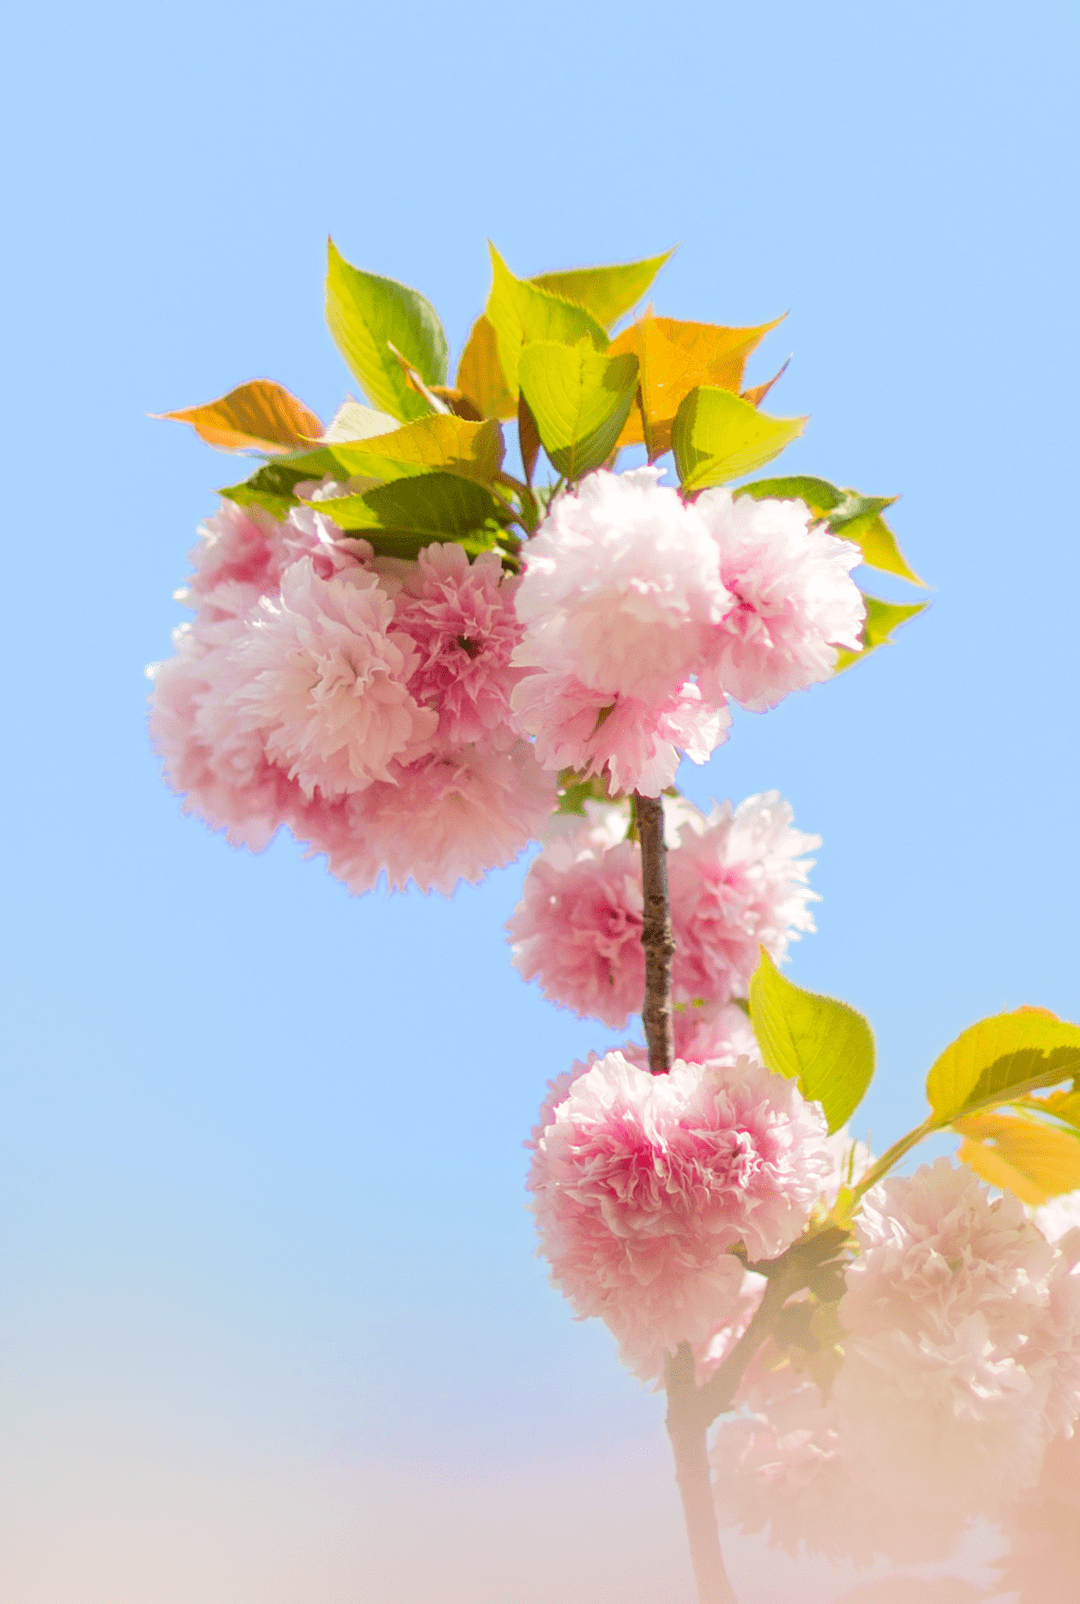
(577, 928)
(451, 815)
(239, 545)
(461, 618)
(620, 581)
(327, 681)
(785, 1468)
(634, 742)
(964, 1336)
(1043, 1531)
(643, 1184)
(794, 600)
(209, 756)
(737, 881)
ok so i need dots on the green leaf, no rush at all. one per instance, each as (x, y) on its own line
(853, 516)
(1024, 1156)
(1000, 1059)
(824, 1044)
(606, 292)
(438, 442)
(717, 436)
(579, 398)
(367, 314)
(401, 517)
(882, 618)
(574, 792)
(273, 486)
(520, 314)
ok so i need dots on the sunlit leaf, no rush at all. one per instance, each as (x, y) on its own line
(260, 415)
(718, 436)
(367, 315)
(757, 392)
(579, 398)
(853, 516)
(1034, 1160)
(528, 437)
(480, 377)
(882, 618)
(439, 441)
(606, 292)
(402, 517)
(824, 1044)
(999, 1059)
(354, 421)
(1062, 1105)
(520, 314)
(675, 357)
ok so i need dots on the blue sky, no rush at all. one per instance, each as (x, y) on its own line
(263, 1257)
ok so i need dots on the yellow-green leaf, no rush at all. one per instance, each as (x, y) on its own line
(1034, 1160)
(579, 398)
(354, 421)
(260, 416)
(882, 618)
(824, 1044)
(1000, 1059)
(520, 313)
(717, 436)
(1062, 1105)
(674, 357)
(606, 292)
(367, 315)
(438, 442)
(852, 516)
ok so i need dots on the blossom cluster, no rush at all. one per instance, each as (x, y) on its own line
(961, 1367)
(643, 1184)
(643, 613)
(737, 881)
(412, 716)
(362, 702)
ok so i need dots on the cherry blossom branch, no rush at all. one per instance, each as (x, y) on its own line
(656, 937)
(686, 1430)
(686, 1425)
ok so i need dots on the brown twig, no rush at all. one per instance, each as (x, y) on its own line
(656, 937)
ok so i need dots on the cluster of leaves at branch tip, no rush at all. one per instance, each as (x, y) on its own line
(425, 460)
(986, 1086)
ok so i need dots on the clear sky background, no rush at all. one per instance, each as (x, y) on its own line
(272, 1331)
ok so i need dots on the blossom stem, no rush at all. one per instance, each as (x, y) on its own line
(686, 1430)
(656, 937)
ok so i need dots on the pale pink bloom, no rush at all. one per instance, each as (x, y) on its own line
(307, 532)
(794, 602)
(715, 1033)
(633, 742)
(737, 881)
(643, 1184)
(621, 579)
(460, 615)
(453, 814)
(219, 766)
(1059, 1219)
(577, 928)
(785, 1468)
(327, 681)
(963, 1353)
(238, 545)
(1043, 1532)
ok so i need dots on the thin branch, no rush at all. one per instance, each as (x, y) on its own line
(656, 937)
(692, 1473)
